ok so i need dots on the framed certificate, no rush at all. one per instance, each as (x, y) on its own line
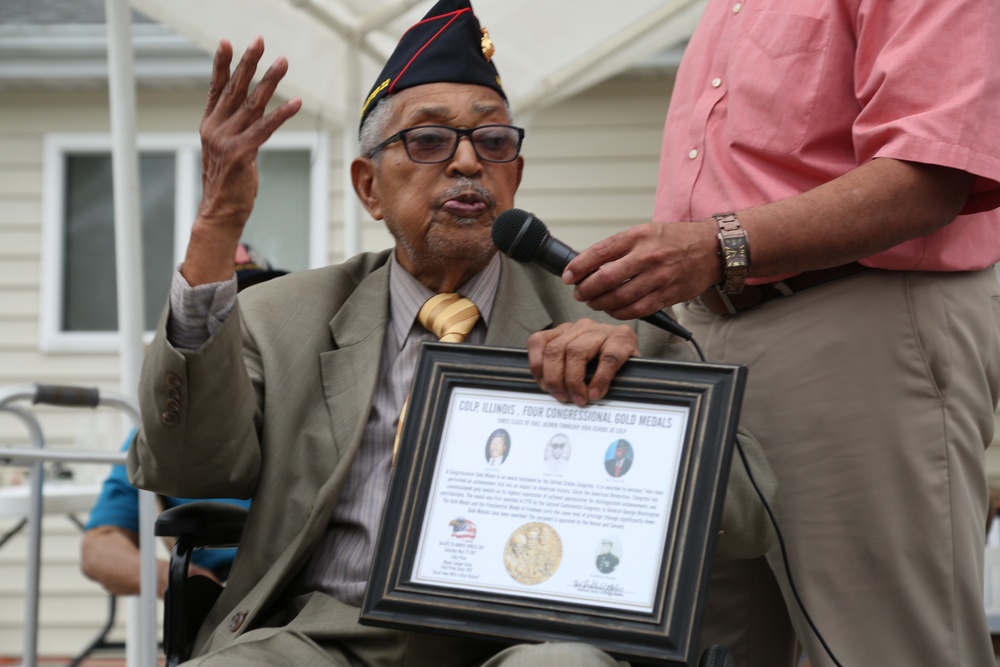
(513, 517)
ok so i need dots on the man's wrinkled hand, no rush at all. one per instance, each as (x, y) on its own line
(559, 358)
(646, 268)
(233, 129)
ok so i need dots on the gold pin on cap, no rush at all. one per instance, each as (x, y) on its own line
(486, 44)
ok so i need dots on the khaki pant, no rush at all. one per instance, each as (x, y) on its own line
(873, 398)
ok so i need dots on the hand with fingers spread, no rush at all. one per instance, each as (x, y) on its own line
(559, 358)
(233, 129)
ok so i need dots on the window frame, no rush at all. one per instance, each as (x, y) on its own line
(186, 148)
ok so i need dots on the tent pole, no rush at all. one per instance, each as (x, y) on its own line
(349, 143)
(128, 260)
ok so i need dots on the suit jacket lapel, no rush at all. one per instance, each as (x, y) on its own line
(518, 311)
(350, 370)
(349, 374)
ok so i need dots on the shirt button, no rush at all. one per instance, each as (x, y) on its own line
(693, 153)
(169, 418)
(737, 7)
(716, 82)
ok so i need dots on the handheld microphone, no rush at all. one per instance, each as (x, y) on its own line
(523, 237)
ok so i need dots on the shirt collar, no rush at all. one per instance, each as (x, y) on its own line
(407, 295)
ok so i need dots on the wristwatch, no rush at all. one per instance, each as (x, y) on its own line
(734, 249)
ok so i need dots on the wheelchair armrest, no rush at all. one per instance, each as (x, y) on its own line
(204, 523)
(187, 600)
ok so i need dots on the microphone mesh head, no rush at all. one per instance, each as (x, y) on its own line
(506, 229)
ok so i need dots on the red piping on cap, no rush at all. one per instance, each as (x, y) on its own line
(454, 16)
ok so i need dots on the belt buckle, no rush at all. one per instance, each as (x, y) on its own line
(730, 308)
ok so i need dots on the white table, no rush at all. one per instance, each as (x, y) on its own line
(57, 498)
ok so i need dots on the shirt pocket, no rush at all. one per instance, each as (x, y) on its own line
(774, 80)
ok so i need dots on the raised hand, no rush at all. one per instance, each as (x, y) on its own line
(233, 128)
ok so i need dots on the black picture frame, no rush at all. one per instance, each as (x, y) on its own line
(666, 631)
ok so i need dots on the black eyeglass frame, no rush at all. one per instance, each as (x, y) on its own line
(459, 133)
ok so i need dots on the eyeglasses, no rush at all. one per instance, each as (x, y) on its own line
(431, 144)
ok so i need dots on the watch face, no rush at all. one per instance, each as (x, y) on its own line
(735, 252)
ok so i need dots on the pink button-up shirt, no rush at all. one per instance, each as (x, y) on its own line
(774, 98)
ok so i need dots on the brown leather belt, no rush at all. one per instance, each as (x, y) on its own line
(754, 295)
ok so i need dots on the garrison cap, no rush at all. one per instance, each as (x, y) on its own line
(446, 46)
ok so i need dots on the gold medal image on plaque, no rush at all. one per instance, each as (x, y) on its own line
(533, 553)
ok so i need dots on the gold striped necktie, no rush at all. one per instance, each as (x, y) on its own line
(449, 316)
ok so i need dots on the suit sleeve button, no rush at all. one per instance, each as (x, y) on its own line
(236, 622)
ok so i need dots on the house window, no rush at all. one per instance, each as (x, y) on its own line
(90, 300)
(79, 300)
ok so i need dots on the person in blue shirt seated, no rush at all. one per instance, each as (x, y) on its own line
(110, 547)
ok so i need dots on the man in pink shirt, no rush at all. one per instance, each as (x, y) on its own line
(827, 207)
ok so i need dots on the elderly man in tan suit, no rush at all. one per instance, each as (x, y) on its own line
(292, 395)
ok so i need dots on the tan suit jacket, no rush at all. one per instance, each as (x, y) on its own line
(212, 426)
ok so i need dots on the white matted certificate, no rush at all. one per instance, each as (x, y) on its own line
(513, 517)
(574, 506)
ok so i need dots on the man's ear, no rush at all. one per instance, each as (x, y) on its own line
(365, 185)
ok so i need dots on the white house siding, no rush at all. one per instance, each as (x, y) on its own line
(591, 162)
(72, 607)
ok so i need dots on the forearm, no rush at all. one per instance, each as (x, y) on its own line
(210, 251)
(110, 557)
(870, 209)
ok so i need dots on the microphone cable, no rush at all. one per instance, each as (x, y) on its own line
(697, 348)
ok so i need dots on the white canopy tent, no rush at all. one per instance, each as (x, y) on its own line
(547, 50)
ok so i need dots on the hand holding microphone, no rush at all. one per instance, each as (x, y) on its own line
(523, 237)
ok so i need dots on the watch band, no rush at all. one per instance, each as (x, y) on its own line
(734, 248)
